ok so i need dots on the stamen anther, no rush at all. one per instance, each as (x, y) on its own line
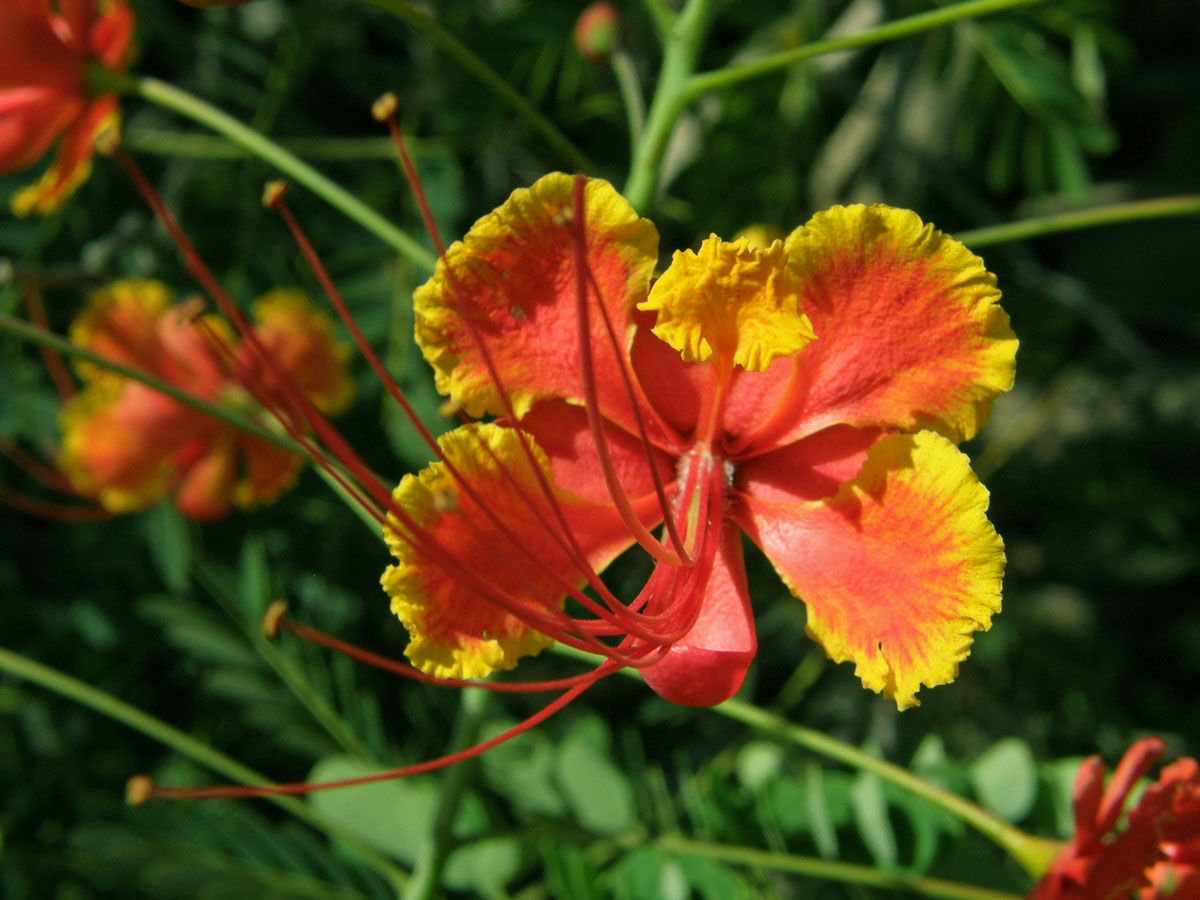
(385, 107)
(272, 619)
(273, 192)
(139, 789)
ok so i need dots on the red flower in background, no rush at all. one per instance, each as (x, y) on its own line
(45, 54)
(1155, 855)
(130, 445)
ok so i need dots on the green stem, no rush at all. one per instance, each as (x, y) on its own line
(195, 145)
(109, 706)
(683, 45)
(36, 335)
(891, 31)
(191, 107)
(427, 869)
(663, 16)
(631, 94)
(461, 54)
(834, 871)
(1112, 214)
(1034, 853)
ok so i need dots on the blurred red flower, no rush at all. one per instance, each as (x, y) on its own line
(47, 51)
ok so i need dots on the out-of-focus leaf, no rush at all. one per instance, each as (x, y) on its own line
(757, 763)
(648, 874)
(871, 817)
(170, 546)
(1005, 780)
(522, 770)
(598, 793)
(569, 872)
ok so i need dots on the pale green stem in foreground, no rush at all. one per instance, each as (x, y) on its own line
(432, 855)
(1035, 854)
(195, 145)
(678, 87)
(259, 145)
(157, 730)
(834, 871)
(487, 76)
(631, 95)
(32, 333)
(1057, 223)
(663, 16)
(683, 43)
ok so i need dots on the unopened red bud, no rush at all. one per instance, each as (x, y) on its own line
(598, 32)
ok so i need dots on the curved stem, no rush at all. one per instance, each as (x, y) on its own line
(107, 705)
(910, 25)
(1033, 853)
(461, 54)
(1111, 214)
(185, 104)
(197, 145)
(683, 44)
(625, 73)
(431, 857)
(830, 869)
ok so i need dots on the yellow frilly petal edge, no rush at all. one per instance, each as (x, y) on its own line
(520, 254)
(454, 632)
(119, 321)
(854, 237)
(958, 570)
(733, 300)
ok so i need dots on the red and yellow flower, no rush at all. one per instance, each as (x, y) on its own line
(130, 445)
(46, 52)
(809, 393)
(1152, 852)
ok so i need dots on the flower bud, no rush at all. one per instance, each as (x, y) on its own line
(597, 32)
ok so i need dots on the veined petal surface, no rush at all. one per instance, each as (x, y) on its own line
(911, 335)
(510, 283)
(469, 613)
(897, 569)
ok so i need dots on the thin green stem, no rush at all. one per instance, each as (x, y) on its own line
(289, 673)
(32, 333)
(191, 107)
(631, 94)
(663, 16)
(1057, 223)
(829, 869)
(109, 706)
(461, 54)
(891, 31)
(683, 44)
(431, 858)
(1033, 853)
(196, 145)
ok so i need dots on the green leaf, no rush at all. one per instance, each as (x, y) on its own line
(598, 793)
(569, 873)
(757, 763)
(1005, 780)
(647, 874)
(871, 817)
(254, 578)
(170, 545)
(819, 814)
(522, 770)
(483, 867)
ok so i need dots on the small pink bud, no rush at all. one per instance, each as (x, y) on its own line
(598, 32)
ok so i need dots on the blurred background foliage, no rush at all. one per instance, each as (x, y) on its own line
(1090, 461)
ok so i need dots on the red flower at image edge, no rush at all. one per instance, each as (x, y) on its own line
(808, 394)
(45, 54)
(1153, 855)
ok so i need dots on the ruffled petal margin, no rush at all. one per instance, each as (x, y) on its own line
(897, 570)
(910, 333)
(511, 283)
(468, 613)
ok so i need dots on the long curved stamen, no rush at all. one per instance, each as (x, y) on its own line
(274, 790)
(588, 374)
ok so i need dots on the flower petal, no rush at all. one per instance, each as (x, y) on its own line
(910, 333)
(709, 664)
(511, 282)
(449, 606)
(72, 160)
(730, 300)
(121, 322)
(897, 569)
(301, 339)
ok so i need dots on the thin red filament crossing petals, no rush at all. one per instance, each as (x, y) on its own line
(51, 357)
(677, 556)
